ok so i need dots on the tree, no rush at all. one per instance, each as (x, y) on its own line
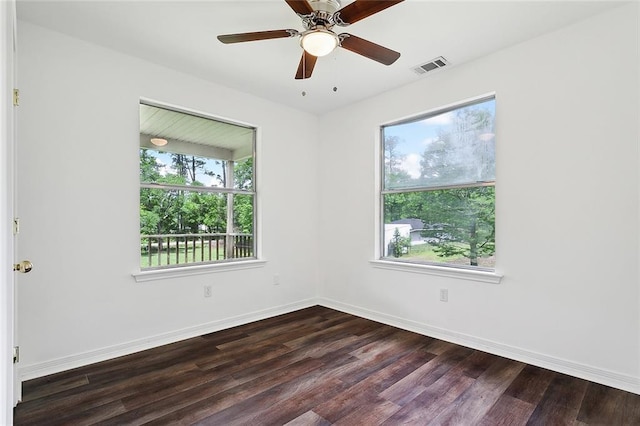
(188, 167)
(243, 173)
(243, 213)
(149, 167)
(461, 221)
(204, 211)
(394, 175)
(399, 244)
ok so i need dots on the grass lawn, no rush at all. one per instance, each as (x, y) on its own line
(200, 254)
(424, 252)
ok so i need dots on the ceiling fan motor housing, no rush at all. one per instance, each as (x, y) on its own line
(329, 6)
(323, 11)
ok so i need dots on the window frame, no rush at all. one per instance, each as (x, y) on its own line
(441, 269)
(221, 265)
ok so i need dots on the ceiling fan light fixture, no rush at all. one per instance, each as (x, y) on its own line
(319, 42)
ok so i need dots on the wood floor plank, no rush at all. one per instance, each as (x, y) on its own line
(370, 387)
(309, 418)
(277, 334)
(432, 401)
(87, 416)
(342, 329)
(561, 401)
(631, 409)
(476, 401)
(413, 384)
(211, 405)
(32, 391)
(373, 412)
(601, 405)
(508, 411)
(91, 395)
(531, 384)
(144, 410)
(451, 365)
(279, 404)
(319, 366)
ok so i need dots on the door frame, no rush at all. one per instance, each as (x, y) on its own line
(9, 381)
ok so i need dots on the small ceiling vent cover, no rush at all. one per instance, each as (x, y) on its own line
(434, 64)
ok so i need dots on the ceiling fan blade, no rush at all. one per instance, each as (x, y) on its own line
(361, 9)
(301, 7)
(368, 49)
(258, 35)
(307, 62)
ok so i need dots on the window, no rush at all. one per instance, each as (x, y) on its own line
(438, 197)
(197, 189)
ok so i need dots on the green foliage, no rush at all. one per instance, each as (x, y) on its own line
(171, 211)
(463, 222)
(399, 244)
(243, 172)
(243, 213)
(148, 166)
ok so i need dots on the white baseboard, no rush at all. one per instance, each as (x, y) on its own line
(598, 375)
(73, 361)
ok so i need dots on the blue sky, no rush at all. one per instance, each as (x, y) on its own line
(414, 136)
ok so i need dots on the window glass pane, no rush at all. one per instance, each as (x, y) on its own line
(452, 148)
(449, 226)
(200, 218)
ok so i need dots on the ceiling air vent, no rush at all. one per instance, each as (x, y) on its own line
(434, 64)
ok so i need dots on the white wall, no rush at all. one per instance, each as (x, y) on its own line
(566, 205)
(78, 201)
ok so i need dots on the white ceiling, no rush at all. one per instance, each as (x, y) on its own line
(182, 35)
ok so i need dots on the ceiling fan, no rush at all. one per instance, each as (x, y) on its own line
(318, 18)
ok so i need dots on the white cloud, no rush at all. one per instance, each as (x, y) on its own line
(411, 165)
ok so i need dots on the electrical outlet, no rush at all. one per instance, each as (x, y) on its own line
(207, 291)
(276, 279)
(444, 295)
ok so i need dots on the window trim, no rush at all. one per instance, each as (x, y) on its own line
(479, 275)
(430, 268)
(189, 269)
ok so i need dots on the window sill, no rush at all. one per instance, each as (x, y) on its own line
(185, 271)
(440, 271)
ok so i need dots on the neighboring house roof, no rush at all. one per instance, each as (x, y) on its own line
(415, 223)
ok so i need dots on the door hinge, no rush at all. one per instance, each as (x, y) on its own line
(16, 226)
(16, 354)
(16, 97)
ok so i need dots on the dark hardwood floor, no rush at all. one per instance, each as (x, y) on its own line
(318, 366)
